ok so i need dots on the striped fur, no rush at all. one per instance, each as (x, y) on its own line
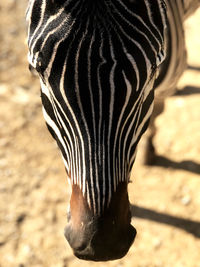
(97, 62)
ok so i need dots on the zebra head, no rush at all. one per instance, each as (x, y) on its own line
(97, 63)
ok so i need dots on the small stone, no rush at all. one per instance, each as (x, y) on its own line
(186, 200)
(26, 249)
(157, 243)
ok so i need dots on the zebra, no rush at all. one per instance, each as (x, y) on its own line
(104, 66)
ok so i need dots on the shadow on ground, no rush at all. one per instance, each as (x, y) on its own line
(188, 90)
(190, 226)
(186, 165)
(196, 68)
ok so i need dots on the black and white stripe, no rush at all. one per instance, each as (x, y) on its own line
(97, 62)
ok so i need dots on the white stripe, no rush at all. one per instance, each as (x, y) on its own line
(62, 90)
(140, 19)
(54, 127)
(139, 31)
(127, 99)
(93, 115)
(111, 107)
(77, 90)
(35, 35)
(140, 128)
(43, 6)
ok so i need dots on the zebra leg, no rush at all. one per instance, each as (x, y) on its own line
(150, 152)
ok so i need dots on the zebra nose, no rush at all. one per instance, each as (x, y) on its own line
(104, 236)
(100, 241)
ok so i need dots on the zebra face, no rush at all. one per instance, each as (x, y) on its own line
(97, 65)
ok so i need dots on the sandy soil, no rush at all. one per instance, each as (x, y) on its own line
(34, 192)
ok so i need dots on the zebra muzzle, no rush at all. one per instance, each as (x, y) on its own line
(100, 237)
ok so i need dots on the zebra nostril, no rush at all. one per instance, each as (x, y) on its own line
(78, 240)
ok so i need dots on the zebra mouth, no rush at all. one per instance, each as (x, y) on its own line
(113, 247)
(99, 241)
(100, 237)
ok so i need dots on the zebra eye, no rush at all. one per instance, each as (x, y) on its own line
(40, 64)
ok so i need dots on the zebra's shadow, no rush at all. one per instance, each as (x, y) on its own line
(187, 165)
(187, 90)
(195, 68)
(190, 226)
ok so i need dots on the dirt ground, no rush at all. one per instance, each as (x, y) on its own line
(34, 191)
